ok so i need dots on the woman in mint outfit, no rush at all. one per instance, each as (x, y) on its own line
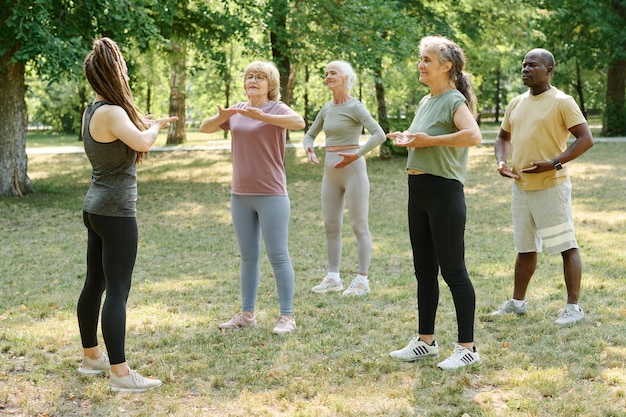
(345, 178)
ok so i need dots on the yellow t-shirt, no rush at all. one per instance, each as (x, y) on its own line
(539, 127)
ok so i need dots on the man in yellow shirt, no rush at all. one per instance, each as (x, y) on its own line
(535, 131)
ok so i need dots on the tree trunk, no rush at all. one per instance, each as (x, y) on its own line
(387, 147)
(307, 111)
(13, 129)
(580, 90)
(176, 133)
(615, 87)
(280, 46)
(498, 94)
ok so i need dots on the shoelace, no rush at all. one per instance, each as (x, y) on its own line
(354, 284)
(139, 380)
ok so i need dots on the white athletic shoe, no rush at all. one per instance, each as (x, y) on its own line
(328, 284)
(460, 357)
(358, 287)
(416, 349)
(570, 315)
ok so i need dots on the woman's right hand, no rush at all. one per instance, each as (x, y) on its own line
(164, 122)
(224, 114)
(399, 138)
(310, 153)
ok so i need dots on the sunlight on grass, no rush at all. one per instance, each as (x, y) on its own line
(186, 281)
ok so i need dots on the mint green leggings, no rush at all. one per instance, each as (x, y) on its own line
(349, 185)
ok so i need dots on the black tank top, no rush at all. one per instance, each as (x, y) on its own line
(113, 189)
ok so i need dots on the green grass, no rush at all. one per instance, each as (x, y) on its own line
(336, 363)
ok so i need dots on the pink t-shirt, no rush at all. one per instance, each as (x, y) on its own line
(258, 152)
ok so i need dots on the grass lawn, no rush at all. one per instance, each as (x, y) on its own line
(336, 363)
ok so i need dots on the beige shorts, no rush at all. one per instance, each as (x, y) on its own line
(543, 218)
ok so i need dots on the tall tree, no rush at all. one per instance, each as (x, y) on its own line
(54, 36)
(615, 111)
(591, 34)
(189, 25)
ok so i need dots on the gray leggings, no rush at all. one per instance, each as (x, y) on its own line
(349, 184)
(253, 216)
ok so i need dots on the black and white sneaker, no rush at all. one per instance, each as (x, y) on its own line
(416, 349)
(460, 357)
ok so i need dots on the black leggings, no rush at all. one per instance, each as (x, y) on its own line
(111, 253)
(437, 230)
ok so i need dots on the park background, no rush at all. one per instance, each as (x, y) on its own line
(187, 56)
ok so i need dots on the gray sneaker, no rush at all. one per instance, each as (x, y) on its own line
(570, 315)
(94, 366)
(509, 307)
(132, 382)
(416, 349)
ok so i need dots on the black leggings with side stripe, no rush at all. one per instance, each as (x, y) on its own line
(437, 215)
(111, 253)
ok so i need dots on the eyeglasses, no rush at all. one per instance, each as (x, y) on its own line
(257, 77)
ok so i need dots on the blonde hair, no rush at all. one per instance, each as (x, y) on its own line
(271, 72)
(106, 72)
(448, 51)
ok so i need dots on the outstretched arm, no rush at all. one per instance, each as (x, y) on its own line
(212, 124)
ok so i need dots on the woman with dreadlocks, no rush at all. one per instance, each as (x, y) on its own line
(116, 138)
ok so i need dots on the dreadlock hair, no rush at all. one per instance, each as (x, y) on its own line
(448, 51)
(106, 72)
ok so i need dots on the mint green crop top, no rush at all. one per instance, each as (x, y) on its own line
(343, 124)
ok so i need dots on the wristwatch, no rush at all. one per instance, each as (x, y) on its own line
(557, 164)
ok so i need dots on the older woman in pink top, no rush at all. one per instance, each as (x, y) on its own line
(259, 202)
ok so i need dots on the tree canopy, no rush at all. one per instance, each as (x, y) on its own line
(186, 55)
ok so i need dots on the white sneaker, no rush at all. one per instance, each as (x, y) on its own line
(238, 321)
(570, 315)
(328, 284)
(132, 382)
(358, 287)
(510, 307)
(460, 357)
(94, 366)
(284, 325)
(416, 349)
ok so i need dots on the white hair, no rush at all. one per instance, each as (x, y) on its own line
(346, 69)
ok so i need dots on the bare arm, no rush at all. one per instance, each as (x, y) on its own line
(502, 149)
(468, 133)
(112, 122)
(212, 124)
(583, 142)
(291, 121)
